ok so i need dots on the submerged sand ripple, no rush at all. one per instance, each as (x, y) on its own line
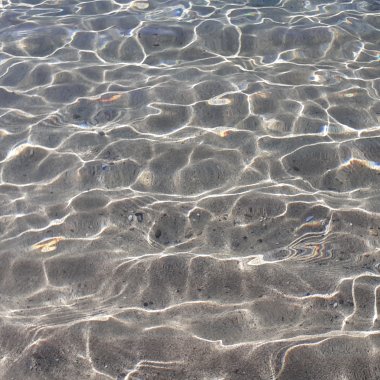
(189, 190)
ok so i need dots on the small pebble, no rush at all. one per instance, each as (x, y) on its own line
(84, 125)
(219, 101)
(139, 216)
(178, 12)
(140, 4)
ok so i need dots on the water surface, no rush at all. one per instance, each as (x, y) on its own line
(189, 189)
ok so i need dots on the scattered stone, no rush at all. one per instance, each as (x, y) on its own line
(219, 101)
(139, 216)
(48, 245)
(140, 4)
(373, 232)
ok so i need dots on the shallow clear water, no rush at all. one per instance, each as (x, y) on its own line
(190, 189)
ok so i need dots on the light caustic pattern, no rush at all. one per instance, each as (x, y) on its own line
(189, 189)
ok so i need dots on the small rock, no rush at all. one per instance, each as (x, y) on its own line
(141, 5)
(178, 12)
(139, 216)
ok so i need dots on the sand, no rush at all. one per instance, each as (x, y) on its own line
(189, 190)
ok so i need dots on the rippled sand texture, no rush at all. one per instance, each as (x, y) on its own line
(190, 189)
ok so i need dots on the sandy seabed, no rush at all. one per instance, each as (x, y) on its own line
(189, 190)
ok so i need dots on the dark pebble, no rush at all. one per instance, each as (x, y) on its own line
(139, 216)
